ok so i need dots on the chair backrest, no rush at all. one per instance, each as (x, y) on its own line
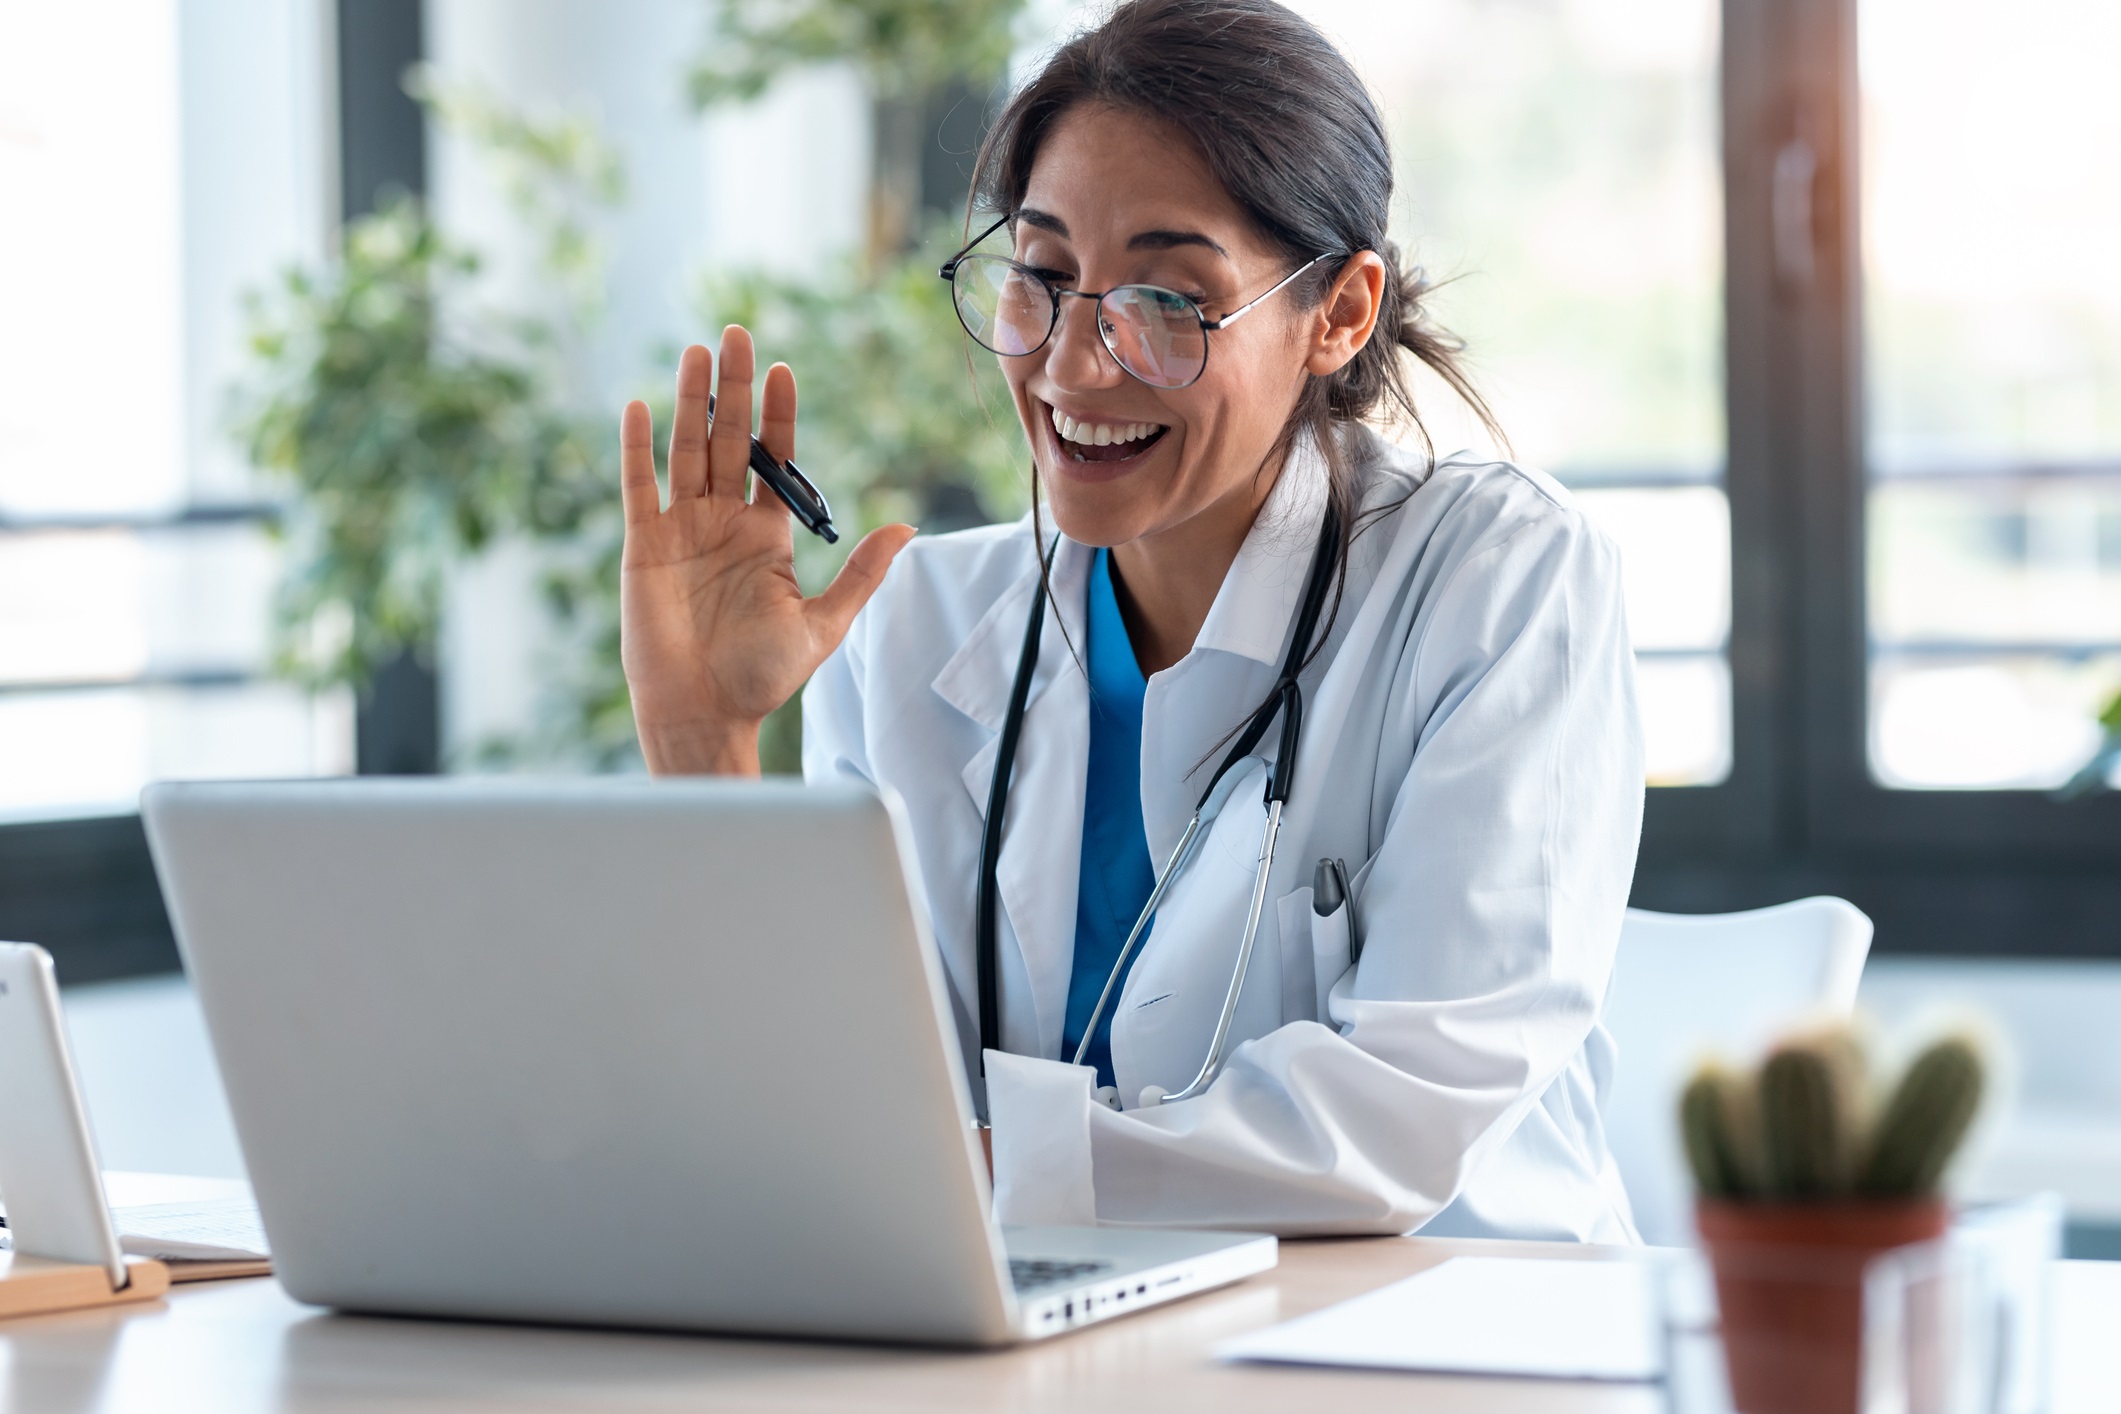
(1686, 985)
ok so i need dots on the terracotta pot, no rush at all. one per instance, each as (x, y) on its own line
(1789, 1280)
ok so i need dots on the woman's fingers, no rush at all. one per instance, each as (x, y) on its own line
(688, 431)
(777, 412)
(729, 458)
(637, 489)
(833, 611)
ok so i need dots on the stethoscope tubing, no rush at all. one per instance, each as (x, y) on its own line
(1212, 1065)
(1286, 703)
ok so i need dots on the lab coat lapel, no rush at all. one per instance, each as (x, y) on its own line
(1042, 835)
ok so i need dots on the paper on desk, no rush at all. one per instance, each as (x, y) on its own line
(214, 1230)
(1556, 1319)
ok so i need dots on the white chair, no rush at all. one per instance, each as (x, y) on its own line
(1687, 985)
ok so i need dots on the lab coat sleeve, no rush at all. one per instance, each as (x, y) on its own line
(1042, 1155)
(1492, 909)
(835, 744)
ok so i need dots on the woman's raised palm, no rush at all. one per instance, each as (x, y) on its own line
(714, 630)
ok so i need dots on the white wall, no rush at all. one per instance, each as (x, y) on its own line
(259, 193)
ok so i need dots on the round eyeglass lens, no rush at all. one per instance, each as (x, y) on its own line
(1001, 306)
(1155, 334)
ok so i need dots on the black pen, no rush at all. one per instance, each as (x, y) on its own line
(788, 482)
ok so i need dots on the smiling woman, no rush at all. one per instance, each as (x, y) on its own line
(1373, 713)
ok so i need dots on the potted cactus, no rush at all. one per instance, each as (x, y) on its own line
(1804, 1173)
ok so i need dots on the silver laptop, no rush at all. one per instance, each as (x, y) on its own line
(659, 1054)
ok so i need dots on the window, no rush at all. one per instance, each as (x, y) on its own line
(1558, 172)
(1810, 301)
(1992, 306)
(1807, 300)
(166, 164)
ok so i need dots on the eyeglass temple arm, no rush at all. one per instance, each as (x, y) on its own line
(1242, 310)
(949, 270)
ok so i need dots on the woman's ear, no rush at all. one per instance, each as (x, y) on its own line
(1347, 317)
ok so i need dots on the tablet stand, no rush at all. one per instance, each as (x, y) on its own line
(30, 1286)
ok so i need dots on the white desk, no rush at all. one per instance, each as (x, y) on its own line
(242, 1347)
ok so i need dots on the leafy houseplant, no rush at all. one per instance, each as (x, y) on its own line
(416, 429)
(1802, 1178)
(407, 449)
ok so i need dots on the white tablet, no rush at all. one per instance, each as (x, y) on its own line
(49, 1177)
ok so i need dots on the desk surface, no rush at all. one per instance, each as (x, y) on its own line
(243, 1346)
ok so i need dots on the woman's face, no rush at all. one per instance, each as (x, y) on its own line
(1118, 199)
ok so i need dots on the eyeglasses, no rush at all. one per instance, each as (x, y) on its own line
(1158, 335)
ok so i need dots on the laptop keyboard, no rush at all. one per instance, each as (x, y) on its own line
(1031, 1273)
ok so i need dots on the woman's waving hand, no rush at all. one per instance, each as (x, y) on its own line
(714, 630)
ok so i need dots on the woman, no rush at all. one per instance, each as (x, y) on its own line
(1222, 519)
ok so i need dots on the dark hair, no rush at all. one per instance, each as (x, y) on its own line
(1287, 127)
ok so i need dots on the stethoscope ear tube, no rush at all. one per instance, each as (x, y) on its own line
(990, 846)
(1292, 727)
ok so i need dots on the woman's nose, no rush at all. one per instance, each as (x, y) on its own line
(1076, 358)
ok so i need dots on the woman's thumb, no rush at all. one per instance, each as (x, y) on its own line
(833, 610)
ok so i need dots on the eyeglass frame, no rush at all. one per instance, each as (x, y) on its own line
(1207, 325)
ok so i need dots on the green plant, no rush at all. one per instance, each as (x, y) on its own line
(1924, 1121)
(415, 429)
(410, 442)
(919, 60)
(902, 46)
(1801, 1128)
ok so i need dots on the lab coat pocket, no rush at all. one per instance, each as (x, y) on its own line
(1315, 951)
(1332, 954)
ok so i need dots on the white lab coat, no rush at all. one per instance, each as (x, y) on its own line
(1470, 747)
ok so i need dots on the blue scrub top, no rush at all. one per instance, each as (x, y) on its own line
(1116, 876)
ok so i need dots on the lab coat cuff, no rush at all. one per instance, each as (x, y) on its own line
(1040, 1110)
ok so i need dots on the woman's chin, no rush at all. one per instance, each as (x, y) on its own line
(1097, 512)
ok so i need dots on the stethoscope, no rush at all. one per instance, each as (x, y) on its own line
(1286, 701)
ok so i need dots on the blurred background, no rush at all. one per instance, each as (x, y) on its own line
(315, 320)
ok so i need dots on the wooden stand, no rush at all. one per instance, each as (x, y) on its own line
(30, 1286)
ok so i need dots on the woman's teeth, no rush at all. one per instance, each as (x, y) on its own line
(1101, 434)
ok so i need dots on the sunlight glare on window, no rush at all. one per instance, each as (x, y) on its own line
(1992, 222)
(1560, 172)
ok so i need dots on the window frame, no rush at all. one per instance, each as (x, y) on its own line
(1974, 872)
(85, 888)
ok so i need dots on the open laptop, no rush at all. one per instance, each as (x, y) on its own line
(669, 1054)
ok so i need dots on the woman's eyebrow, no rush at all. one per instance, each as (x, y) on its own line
(1144, 240)
(1171, 240)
